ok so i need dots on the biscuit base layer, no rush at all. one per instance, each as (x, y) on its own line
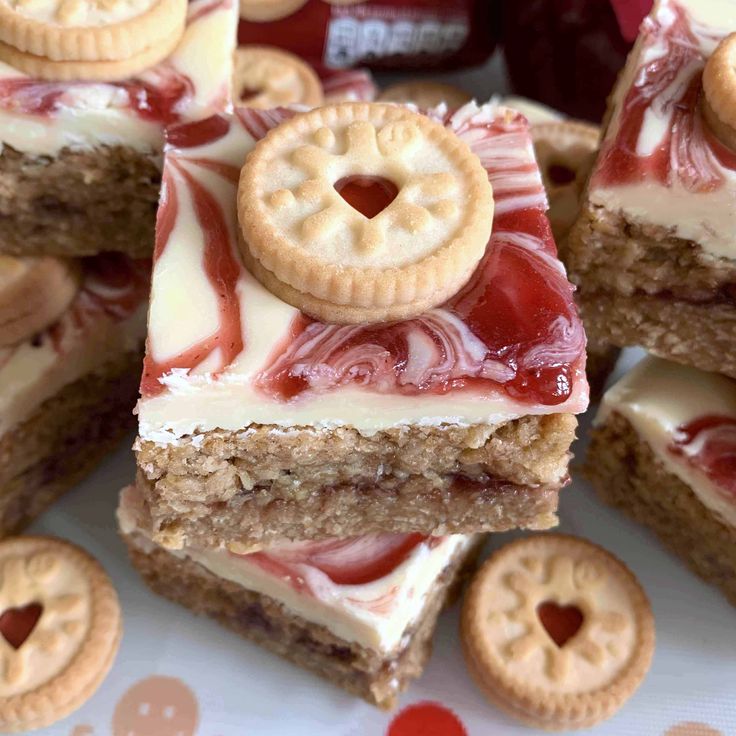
(371, 675)
(264, 486)
(627, 475)
(70, 204)
(64, 440)
(638, 285)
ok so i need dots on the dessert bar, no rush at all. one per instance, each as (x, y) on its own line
(653, 251)
(359, 612)
(68, 388)
(80, 161)
(259, 424)
(663, 451)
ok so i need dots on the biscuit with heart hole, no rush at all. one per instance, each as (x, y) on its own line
(60, 627)
(556, 631)
(363, 212)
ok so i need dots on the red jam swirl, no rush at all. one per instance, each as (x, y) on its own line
(220, 264)
(667, 85)
(113, 286)
(708, 444)
(353, 561)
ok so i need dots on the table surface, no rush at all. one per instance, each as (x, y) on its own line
(179, 675)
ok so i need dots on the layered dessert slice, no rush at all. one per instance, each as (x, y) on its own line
(359, 612)
(81, 142)
(664, 451)
(653, 252)
(259, 424)
(71, 344)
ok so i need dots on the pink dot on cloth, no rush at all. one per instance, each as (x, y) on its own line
(426, 719)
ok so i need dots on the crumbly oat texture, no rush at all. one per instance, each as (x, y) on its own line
(69, 204)
(702, 336)
(638, 285)
(71, 646)
(64, 440)
(626, 474)
(265, 485)
(368, 674)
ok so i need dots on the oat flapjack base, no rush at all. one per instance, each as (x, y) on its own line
(78, 202)
(556, 631)
(302, 223)
(61, 627)
(640, 285)
(242, 487)
(65, 439)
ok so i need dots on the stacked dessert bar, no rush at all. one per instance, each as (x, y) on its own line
(81, 146)
(316, 457)
(81, 141)
(654, 254)
(653, 251)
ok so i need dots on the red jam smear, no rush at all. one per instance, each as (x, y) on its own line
(221, 266)
(708, 444)
(17, 624)
(688, 152)
(370, 195)
(161, 102)
(113, 285)
(512, 328)
(353, 561)
(560, 622)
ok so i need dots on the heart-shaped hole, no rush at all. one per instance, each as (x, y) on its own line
(560, 622)
(370, 195)
(560, 174)
(16, 624)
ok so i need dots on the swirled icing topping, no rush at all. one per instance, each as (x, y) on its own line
(224, 352)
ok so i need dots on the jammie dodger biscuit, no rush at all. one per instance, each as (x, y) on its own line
(363, 212)
(84, 39)
(265, 77)
(60, 627)
(557, 632)
(565, 152)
